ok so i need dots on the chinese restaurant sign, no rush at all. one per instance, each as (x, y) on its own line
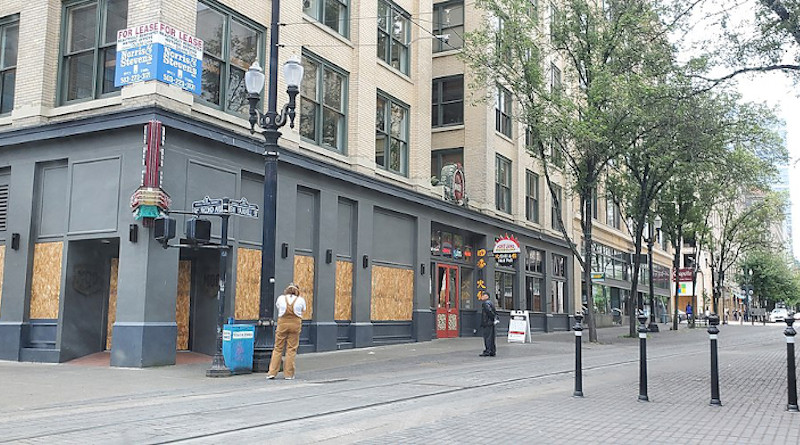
(506, 250)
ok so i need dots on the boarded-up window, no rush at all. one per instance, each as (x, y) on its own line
(392, 294)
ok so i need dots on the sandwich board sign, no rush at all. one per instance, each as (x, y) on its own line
(519, 328)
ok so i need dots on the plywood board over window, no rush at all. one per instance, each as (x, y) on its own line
(248, 284)
(304, 278)
(2, 266)
(182, 304)
(46, 282)
(343, 302)
(392, 293)
(112, 301)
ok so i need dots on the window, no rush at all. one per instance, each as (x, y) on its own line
(533, 294)
(323, 99)
(595, 210)
(9, 46)
(556, 153)
(504, 290)
(448, 101)
(231, 45)
(448, 21)
(612, 213)
(533, 11)
(502, 190)
(555, 208)
(554, 22)
(394, 36)
(534, 259)
(89, 51)
(558, 283)
(531, 196)
(467, 285)
(333, 13)
(502, 110)
(440, 158)
(391, 134)
(555, 79)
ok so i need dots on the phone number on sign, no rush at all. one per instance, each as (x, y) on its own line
(169, 78)
(139, 77)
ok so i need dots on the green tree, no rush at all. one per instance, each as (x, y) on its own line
(576, 126)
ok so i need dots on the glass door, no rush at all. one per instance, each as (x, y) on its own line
(447, 291)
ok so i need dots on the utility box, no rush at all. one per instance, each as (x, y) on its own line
(237, 347)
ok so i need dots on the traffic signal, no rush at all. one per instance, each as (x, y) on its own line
(198, 230)
(164, 229)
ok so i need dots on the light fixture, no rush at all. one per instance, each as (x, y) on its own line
(254, 79)
(657, 222)
(293, 71)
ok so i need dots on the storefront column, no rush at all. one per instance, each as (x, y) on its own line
(145, 332)
(361, 326)
(17, 264)
(323, 328)
(422, 317)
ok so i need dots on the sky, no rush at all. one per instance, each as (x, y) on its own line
(777, 90)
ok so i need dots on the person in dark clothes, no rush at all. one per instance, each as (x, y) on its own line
(488, 318)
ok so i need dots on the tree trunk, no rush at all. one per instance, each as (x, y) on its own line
(587, 266)
(632, 308)
(676, 262)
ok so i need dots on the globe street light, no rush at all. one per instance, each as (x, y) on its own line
(269, 124)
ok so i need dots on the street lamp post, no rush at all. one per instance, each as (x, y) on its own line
(270, 123)
(653, 326)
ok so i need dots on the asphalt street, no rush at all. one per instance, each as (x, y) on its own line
(430, 392)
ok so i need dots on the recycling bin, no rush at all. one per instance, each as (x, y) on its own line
(237, 347)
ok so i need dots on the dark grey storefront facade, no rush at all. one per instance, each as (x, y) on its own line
(76, 281)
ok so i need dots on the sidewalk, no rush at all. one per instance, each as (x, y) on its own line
(430, 392)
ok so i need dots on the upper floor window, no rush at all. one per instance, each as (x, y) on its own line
(559, 266)
(555, 19)
(440, 158)
(612, 213)
(394, 36)
(448, 24)
(391, 134)
(555, 209)
(448, 101)
(502, 110)
(502, 190)
(555, 79)
(9, 47)
(335, 14)
(533, 11)
(323, 103)
(88, 48)
(531, 196)
(231, 45)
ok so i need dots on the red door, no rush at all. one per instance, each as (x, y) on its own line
(447, 308)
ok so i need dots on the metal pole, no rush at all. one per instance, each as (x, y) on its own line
(653, 326)
(713, 321)
(271, 135)
(218, 367)
(642, 357)
(578, 328)
(791, 374)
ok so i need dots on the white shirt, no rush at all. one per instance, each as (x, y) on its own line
(282, 303)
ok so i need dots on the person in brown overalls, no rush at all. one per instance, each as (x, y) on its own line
(290, 307)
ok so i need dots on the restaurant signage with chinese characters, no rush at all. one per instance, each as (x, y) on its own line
(506, 250)
(481, 283)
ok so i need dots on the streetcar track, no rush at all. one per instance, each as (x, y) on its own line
(352, 409)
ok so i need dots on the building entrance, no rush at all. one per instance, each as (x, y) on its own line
(447, 284)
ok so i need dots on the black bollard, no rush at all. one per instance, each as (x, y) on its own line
(642, 357)
(790, 371)
(713, 321)
(578, 328)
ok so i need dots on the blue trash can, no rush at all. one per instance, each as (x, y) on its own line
(237, 347)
